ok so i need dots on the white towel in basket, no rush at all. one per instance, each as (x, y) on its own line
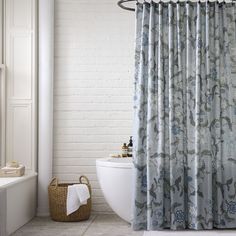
(77, 195)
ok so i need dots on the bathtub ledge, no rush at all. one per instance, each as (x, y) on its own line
(8, 181)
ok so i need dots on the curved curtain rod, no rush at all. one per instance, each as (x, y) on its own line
(120, 3)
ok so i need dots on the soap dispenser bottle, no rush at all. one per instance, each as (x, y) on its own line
(130, 147)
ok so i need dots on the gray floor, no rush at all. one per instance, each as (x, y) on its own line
(100, 225)
(192, 233)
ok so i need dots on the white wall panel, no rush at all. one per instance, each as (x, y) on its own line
(20, 86)
(21, 81)
(21, 13)
(19, 134)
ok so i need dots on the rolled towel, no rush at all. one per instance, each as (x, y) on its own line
(77, 195)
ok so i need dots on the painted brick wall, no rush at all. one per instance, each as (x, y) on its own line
(94, 52)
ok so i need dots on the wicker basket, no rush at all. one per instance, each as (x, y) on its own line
(57, 202)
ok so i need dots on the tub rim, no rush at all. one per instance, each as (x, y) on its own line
(112, 162)
(15, 180)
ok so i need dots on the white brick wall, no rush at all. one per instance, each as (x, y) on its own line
(94, 52)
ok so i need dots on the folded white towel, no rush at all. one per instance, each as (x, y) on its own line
(77, 195)
(83, 193)
(72, 203)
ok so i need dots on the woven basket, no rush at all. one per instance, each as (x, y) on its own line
(57, 194)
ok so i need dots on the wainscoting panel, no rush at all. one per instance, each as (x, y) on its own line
(21, 81)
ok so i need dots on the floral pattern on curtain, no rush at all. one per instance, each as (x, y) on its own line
(185, 116)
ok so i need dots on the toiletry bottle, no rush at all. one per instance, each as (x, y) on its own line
(124, 150)
(130, 147)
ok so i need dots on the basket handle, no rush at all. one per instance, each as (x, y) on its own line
(54, 182)
(81, 178)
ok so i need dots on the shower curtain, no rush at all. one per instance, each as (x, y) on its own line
(185, 116)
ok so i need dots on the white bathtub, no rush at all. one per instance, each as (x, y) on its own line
(115, 178)
(17, 202)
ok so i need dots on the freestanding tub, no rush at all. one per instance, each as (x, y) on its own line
(115, 178)
(17, 202)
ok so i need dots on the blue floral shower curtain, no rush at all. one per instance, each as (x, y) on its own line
(185, 116)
